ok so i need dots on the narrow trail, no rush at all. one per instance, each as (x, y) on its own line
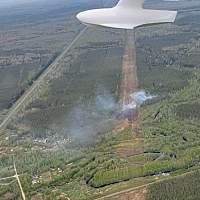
(19, 182)
(7, 184)
(6, 178)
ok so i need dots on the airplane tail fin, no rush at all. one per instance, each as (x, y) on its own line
(134, 4)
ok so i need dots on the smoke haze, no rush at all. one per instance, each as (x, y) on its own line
(84, 122)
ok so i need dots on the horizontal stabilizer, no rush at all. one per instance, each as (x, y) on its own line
(131, 4)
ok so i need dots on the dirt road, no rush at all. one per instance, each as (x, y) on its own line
(138, 193)
(19, 183)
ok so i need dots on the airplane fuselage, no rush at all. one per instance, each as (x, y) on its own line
(126, 17)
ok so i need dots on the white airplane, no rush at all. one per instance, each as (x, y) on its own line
(127, 14)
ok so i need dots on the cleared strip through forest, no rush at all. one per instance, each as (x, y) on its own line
(129, 82)
(19, 104)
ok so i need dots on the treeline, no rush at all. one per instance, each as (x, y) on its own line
(31, 81)
(188, 110)
(36, 162)
(105, 177)
(185, 187)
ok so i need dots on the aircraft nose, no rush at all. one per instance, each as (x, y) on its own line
(93, 17)
(79, 16)
(83, 16)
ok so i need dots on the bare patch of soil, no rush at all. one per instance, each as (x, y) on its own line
(8, 196)
(122, 125)
(137, 194)
(127, 152)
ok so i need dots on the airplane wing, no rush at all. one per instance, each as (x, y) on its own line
(127, 14)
